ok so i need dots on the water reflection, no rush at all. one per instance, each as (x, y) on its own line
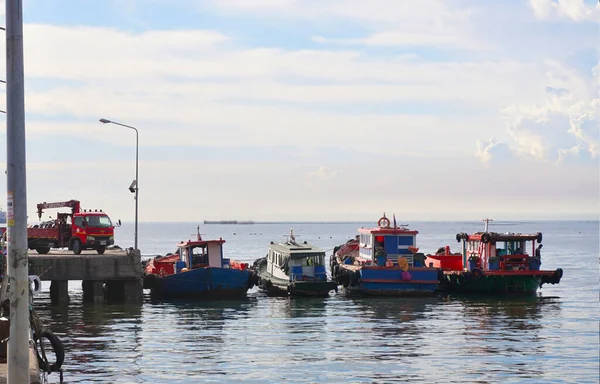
(507, 335)
(92, 335)
(199, 328)
(395, 326)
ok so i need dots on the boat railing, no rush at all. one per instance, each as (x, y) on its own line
(394, 258)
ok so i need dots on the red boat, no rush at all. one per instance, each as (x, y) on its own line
(494, 263)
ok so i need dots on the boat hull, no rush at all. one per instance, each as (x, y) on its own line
(498, 283)
(387, 281)
(279, 287)
(204, 283)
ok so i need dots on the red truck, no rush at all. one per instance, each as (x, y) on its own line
(77, 230)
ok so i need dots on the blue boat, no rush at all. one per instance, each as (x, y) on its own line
(383, 261)
(198, 269)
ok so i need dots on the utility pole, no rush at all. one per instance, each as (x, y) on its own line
(18, 343)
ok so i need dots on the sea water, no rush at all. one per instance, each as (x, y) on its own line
(552, 336)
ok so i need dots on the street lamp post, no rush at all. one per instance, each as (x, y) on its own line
(135, 186)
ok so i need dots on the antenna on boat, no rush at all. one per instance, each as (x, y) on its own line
(198, 234)
(487, 221)
(291, 237)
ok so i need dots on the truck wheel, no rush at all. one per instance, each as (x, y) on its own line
(101, 249)
(43, 251)
(76, 246)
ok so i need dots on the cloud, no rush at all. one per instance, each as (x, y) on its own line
(323, 173)
(491, 150)
(565, 123)
(425, 23)
(416, 38)
(377, 12)
(576, 10)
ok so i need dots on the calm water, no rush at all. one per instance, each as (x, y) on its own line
(552, 337)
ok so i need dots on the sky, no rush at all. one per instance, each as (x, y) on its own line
(314, 110)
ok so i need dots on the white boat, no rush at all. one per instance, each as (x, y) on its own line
(293, 269)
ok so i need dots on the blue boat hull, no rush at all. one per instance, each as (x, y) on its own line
(204, 283)
(380, 281)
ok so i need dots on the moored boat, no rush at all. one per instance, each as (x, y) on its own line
(383, 261)
(293, 269)
(495, 263)
(198, 269)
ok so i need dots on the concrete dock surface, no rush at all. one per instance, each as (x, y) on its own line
(34, 370)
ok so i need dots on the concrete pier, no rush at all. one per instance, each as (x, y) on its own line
(115, 275)
(34, 369)
(59, 291)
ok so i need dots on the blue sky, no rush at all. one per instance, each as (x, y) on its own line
(315, 110)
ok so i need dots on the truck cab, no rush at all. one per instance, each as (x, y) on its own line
(91, 230)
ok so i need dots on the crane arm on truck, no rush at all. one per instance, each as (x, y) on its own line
(75, 205)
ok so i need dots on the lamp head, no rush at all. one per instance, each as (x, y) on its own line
(133, 186)
(105, 121)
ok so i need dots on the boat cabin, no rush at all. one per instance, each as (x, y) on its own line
(293, 261)
(387, 243)
(200, 253)
(501, 251)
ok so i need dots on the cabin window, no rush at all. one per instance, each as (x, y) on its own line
(199, 255)
(78, 221)
(312, 261)
(406, 240)
(365, 240)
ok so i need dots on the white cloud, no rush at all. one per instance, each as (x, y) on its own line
(491, 150)
(323, 173)
(426, 22)
(438, 37)
(566, 122)
(573, 9)
(378, 12)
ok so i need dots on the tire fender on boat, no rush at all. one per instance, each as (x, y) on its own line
(477, 273)
(57, 347)
(486, 237)
(539, 237)
(37, 284)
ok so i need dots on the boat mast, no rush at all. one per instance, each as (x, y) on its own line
(486, 221)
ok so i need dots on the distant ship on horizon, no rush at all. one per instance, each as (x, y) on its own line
(228, 222)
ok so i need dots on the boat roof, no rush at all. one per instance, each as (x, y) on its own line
(295, 250)
(494, 236)
(199, 243)
(388, 231)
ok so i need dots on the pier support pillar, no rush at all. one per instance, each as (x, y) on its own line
(124, 290)
(93, 291)
(59, 292)
(132, 291)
